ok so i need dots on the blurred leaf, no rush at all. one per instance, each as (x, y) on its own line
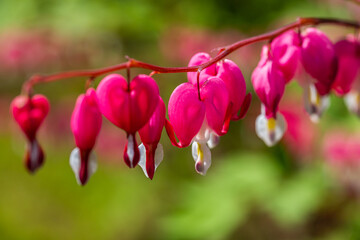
(215, 206)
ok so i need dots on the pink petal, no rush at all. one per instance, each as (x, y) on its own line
(215, 95)
(269, 84)
(129, 109)
(151, 132)
(86, 120)
(198, 59)
(30, 113)
(286, 53)
(232, 76)
(318, 59)
(186, 112)
(348, 65)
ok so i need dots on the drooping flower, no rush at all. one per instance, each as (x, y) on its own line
(285, 50)
(269, 84)
(319, 61)
(347, 81)
(86, 123)
(129, 106)
(29, 113)
(151, 151)
(195, 115)
(231, 75)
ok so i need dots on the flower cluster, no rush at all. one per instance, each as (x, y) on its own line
(318, 65)
(201, 109)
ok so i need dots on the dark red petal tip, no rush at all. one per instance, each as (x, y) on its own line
(170, 132)
(244, 108)
(34, 157)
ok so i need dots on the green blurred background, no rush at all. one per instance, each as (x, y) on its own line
(289, 191)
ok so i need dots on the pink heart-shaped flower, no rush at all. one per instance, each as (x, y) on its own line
(269, 83)
(187, 112)
(319, 59)
(128, 107)
(86, 120)
(347, 52)
(29, 113)
(228, 72)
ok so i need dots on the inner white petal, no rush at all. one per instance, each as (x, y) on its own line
(142, 161)
(204, 133)
(75, 163)
(35, 153)
(315, 104)
(352, 100)
(130, 148)
(202, 157)
(159, 156)
(213, 140)
(270, 130)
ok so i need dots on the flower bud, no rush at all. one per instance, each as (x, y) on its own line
(29, 113)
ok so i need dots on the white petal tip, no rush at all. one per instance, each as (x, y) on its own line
(315, 105)
(213, 140)
(315, 118)
(75, 163)
(202, 157)
(270, 130)
(352, 102)
(130, 150)
(159, 156)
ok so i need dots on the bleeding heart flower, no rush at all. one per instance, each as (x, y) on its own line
(347, 81)
(86, 123)
(195, 115)
(269, 84)
(231, 75)
(320, 63)
(285, 50)
(151, 151)
(29, 113)
(129, 107)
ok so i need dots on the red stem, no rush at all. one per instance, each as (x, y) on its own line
(224, 51)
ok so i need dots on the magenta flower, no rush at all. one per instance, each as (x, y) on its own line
(347, 81)
(129, 107)
(348, 54)
(194, 116)
(285, 50)
(231, 75)
(29, 113)
(320, 63)
(269, 84)
(151, 151)
(86, 123)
